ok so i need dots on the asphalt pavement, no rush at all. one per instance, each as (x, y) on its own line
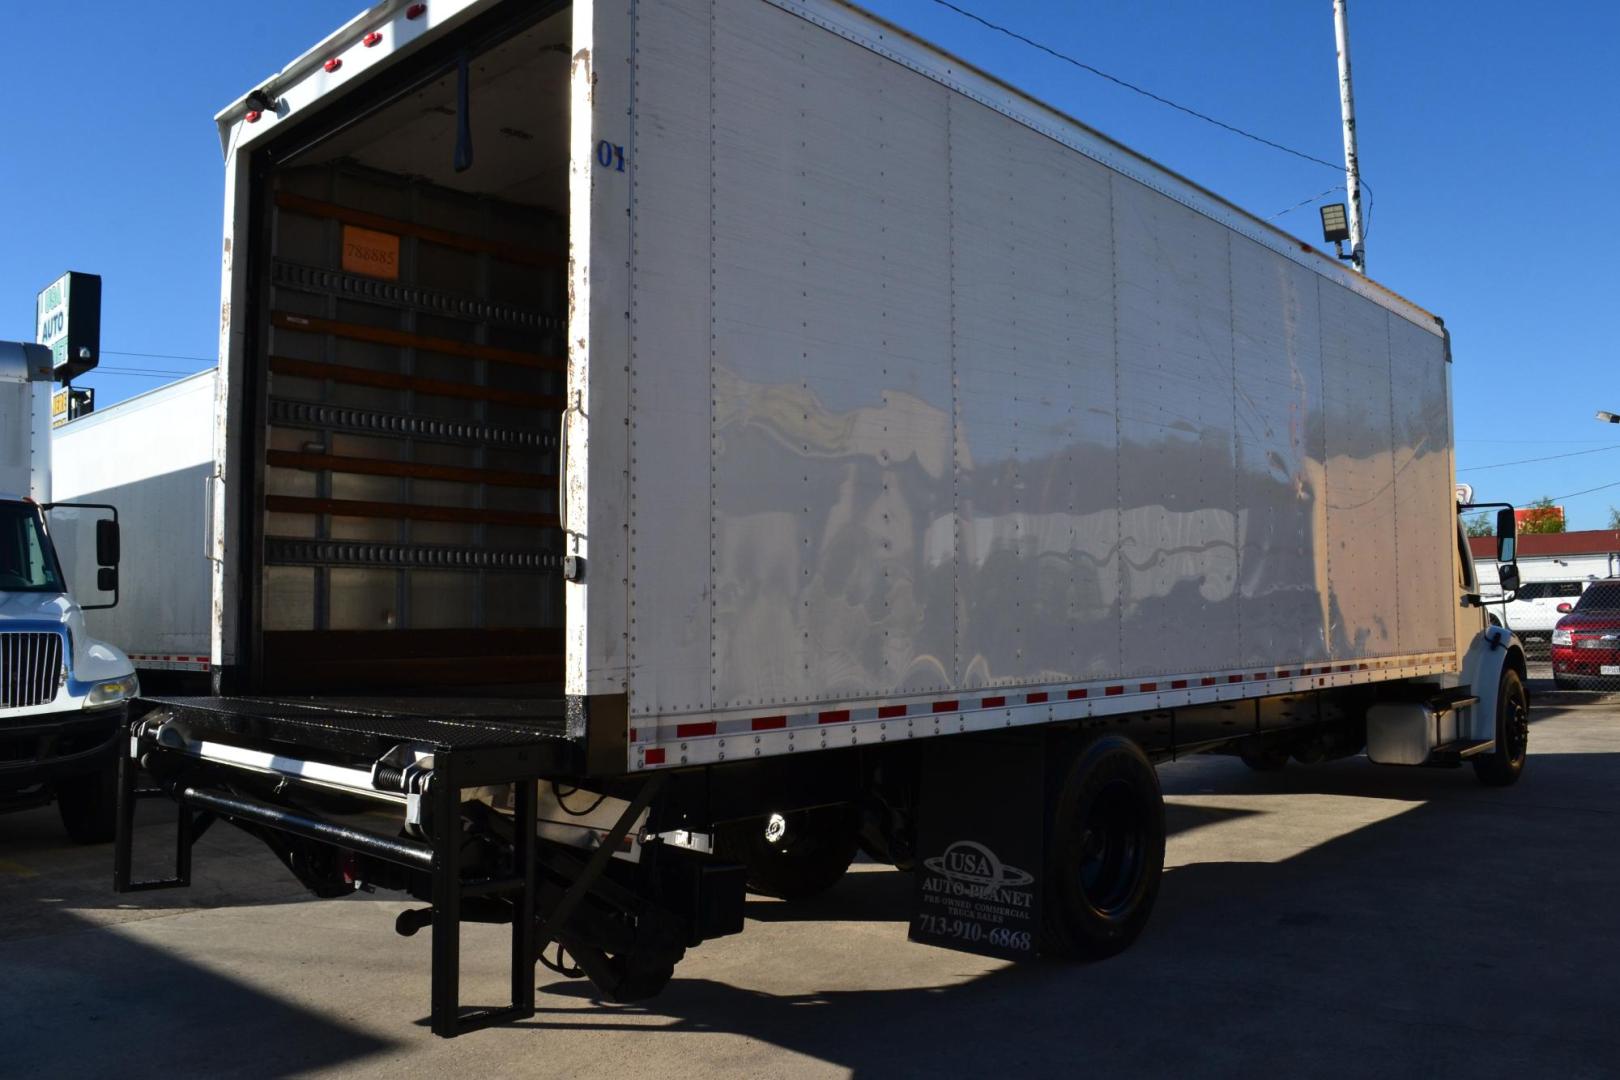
(1332, 920)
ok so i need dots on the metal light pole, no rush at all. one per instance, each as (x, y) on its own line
(1352, 165)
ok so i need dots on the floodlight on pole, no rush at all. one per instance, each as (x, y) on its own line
(1608, 417)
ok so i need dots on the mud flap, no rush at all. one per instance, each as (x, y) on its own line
(980, 846)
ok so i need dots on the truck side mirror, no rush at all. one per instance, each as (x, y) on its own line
(1507, 529)
(1507, 575)
(107, 547)
(107, 579)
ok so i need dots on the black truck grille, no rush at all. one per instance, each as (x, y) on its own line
(30, 668)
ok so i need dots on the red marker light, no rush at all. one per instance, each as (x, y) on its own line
(332, 64)
(252, 116)
(371, 39)
(415, 11)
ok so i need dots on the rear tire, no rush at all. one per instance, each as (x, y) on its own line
(1271, 759)
(810, 856)
(1503, 766)
(1105, 851)
(89, 806)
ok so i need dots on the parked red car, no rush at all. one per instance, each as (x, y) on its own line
(1586, 641)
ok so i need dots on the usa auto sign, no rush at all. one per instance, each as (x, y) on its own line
(69, 323)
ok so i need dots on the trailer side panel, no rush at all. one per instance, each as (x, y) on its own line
(984, 403)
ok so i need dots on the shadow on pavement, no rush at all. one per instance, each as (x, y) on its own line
(1471, 933)
(102, 1004)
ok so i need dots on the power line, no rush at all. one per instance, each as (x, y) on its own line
(1306, 202)
(1067, 59)
(1588, 491)
(1161, 99)
(158, 356)
(1549, 457)
(147, 372)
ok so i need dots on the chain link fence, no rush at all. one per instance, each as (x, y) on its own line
(1566, 610)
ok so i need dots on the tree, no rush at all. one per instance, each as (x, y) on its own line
(1614, 518)
(1542, 516)
(1481, 525)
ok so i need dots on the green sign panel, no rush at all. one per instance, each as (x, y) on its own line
(69, 323)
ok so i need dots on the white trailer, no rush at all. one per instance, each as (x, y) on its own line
(713, 404)
(151, 456)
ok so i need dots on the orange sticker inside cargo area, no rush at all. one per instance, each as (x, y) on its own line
(374, 254)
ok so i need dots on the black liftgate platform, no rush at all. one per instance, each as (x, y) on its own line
(474, 742)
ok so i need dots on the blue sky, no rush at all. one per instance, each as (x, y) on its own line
(1486, 129)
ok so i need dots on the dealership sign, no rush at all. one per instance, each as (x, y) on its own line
(69, 323)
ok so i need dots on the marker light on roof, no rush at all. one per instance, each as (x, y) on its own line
(371, 39)
(332, 64)
(415, 11)
(252, 116)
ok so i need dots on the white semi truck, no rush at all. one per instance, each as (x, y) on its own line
(666, 448)
(63, 694)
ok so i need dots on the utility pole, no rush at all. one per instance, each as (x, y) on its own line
(1352, 164)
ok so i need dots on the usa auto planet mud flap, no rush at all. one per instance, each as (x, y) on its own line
(980, 847)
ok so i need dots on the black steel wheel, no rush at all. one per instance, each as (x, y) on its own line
(1105, 851)
(1503, 766)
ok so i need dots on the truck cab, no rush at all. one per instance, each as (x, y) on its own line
(62, 693)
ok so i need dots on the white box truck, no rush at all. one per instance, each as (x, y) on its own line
(668, 447)
(151, 456)
(63, 693)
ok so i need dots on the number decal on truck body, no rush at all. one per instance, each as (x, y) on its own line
(610, 155)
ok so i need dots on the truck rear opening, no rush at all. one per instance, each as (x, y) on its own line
(406, 358)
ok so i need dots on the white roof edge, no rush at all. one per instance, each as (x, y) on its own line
(306, 61)
(879, 35)
(140, 400)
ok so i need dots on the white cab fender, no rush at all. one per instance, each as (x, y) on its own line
(1492, 649)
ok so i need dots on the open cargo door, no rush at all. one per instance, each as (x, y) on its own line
(410, 280)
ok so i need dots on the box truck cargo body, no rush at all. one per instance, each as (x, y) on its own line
(708, 403)
(152, 457)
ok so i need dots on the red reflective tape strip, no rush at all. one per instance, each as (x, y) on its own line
(632, 734)
(1346, 667)
(889, 712)
(1149, 687)
(768, 723)
(1076, 694)
(1260, 675)
(1207, 680)
(1178, 684)
(944, 706)
(1112, 690)
(993, 702)
(654, 756)
(694, 731)
(1363, 667)
(1234, 678)
(1282, 673)
(833, 716)
(1035, 699)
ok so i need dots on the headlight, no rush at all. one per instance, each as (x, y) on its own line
(113, 691)
(1563, 637)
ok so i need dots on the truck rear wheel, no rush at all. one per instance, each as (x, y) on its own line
(795, 856)
(1105, 851)
(89, 806)
(1503, 766)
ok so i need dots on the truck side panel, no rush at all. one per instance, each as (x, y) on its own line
(982, 402)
